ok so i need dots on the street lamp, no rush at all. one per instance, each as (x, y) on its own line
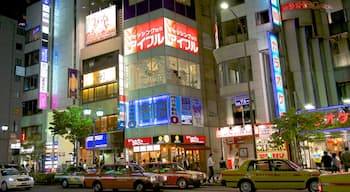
(99, 114)
(225, 5)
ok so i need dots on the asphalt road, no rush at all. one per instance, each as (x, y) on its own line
(58, 188)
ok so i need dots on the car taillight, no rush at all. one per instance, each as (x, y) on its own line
(319, 188)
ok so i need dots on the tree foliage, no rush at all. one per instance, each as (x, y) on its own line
(295, 127)
(71, 124)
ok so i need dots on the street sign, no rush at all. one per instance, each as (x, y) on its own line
(242, 100)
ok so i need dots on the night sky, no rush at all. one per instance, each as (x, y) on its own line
(15, 9)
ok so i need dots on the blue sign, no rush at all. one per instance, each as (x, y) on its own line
(100, 141)
(145, 111)
(160, 106)
(242, 100)
(276, 74)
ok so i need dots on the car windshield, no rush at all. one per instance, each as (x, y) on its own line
(11, 171)
(178, 167)
(294, 165)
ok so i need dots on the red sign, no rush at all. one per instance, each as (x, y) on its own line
(194, 139)
(138, 141)
(331, 118)
(304, 5)
(277, 155)
(159, 32)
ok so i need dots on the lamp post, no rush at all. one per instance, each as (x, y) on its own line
(99, 114)
(225, 5)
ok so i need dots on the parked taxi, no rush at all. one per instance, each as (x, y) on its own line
(11, 178)
(176, 175)
(123, 176)
(335, 182)
(71, 176)
(271, 174)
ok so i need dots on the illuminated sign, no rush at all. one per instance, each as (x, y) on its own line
(304, 5)
(164, 109)
(161, 31)
(276, 74)
(122, 97)
(100, 25)
(188, 139)
(73, 83)
(99, 77)
(100, 141)
(275, 12)
(138, 141)
(236, 131)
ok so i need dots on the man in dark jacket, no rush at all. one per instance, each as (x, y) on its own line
(326, 161)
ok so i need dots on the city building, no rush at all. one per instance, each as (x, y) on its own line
(291, 50)
(11, 75)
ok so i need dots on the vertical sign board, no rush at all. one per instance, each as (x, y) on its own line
(145, 116)
(44, 56)
(122, 97)
(275, 13)
(276, 74)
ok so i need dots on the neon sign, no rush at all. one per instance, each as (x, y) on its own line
(304, 5)
(276, 73)
(161, 31)
(275, 12)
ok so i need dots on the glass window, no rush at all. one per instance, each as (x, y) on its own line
(262, 166)
(281, 166)
(182, 72)
(235, 30)
(112, 90)
(101, 92)
(262, 17)
(234, 71)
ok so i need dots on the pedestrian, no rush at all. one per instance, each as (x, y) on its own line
(326, 161)
(186, 163)
(345, 159)
(335, 163)
(236, 161)
(211, 168)
(222, 163)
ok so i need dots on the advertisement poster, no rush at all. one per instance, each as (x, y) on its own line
(197, 112)
(73, 83)
(175, 106)
(186, 111)
(100, 25)
(131, 114)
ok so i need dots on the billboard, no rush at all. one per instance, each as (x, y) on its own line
(158, 32)
(73, 83)
(100, 25)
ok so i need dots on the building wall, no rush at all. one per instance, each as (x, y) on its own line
(10, 106)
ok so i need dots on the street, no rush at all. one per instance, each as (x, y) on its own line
(58, 188)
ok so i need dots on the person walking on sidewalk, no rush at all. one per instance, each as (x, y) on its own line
(211, 168)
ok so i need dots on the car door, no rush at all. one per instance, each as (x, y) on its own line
(262, 175)
(286, 175)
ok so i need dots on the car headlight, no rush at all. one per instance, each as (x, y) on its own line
(194, 177)
(31, 178)
(153, 179)
(11, 179)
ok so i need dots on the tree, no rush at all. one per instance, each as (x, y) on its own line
(38, 152)
(72, 125)
(295, 127)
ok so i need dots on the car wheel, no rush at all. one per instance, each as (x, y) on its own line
(97, 187)
(313, 186)
(139, 187)
(64, 183)
(182, 183)
(3, 186)
(246, 186)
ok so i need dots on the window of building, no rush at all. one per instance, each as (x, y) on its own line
(30, 107)
(33, 34)
(235, 30)
(106, 123)
(31, 58)
(88, 95)
(30, 83)
(184, 2)
(235, 71)
(262, 17)
(19, 46)
(31, 133)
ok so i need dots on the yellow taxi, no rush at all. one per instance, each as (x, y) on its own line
(335, 182)
(270, 174)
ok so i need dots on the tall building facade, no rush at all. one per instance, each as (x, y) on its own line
(171, 91)
(12, 72)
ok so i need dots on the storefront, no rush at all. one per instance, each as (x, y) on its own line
(238, 141)
(169, 148)
(334, 135)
